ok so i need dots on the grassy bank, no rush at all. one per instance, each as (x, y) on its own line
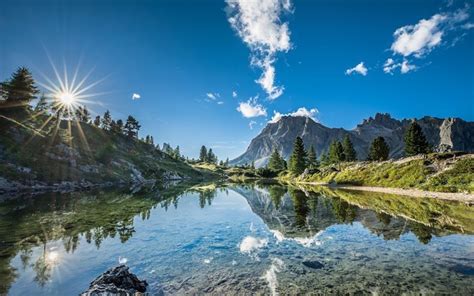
(436, 172)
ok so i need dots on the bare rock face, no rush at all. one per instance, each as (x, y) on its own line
(116, 281)
(442, 134)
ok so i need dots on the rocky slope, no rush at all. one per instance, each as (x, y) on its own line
(62, 156)
(442, 134)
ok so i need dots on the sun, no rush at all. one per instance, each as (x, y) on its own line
(66, 98)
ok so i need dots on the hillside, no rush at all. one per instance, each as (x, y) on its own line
(442, 134)
(436, 173)
(35, 153)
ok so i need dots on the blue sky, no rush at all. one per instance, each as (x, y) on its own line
(209, 70)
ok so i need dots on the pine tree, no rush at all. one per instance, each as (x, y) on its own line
(203, 154)
(336, 152)
(325, 159)
(276, 162)
(177, 152)
(379, 150)
(97, 121)
(20, 89)
(226, 163)
(132, 127)
(349, 151)
(42, 106)
(119, 126)
(82, 114)
(106, 121)
(415, 140)
(312, 159)
(147, 139)
(152, 142)
(211, 157)
(297, 163)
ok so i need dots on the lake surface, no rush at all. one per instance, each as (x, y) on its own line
(238, 239)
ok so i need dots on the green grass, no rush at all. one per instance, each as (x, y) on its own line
(418, 173)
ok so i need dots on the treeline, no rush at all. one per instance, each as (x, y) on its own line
(343, 151)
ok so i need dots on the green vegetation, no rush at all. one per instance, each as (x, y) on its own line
(349, 151)
(312, 159)
(297, 163)
(336, 152)
(49, 145)
(440, 214)
(415, 140)
(432, 174)
(276, 162)
(378, 150)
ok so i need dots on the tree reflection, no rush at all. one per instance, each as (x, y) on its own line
(300, 206)
(276, 194)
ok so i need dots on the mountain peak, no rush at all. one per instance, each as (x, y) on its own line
(381, 119)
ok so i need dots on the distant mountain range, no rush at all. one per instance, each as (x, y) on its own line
(443, 134)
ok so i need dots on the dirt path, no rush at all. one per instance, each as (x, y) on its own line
(458, 196)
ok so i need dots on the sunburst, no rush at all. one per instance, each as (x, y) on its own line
(66, 92)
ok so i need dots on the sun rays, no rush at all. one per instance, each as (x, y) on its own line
(66, 93)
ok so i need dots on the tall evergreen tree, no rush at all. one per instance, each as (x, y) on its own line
(378, 150)
(177, 152)
(152, 142)
(82, 114)
(226, 163)
(336, 152)
(107, 121)
(203, 154)
(97, 121)
(119, 126)
(211, 157)
(297, 163)
(415, 140)
(20, 89)
(276, 162)
(132, 126)
(325, 159)
(349, 151)
(42, 106)
(312, 158)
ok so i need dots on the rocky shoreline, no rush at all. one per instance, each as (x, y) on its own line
(116, 281)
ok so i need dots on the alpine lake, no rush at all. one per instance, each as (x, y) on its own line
(238, 239)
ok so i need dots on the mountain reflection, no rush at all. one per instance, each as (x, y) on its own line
(300, 214)
(53, 220)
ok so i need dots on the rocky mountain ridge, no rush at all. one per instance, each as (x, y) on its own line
(442, 134)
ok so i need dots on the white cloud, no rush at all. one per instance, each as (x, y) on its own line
(259, 25)
(406, 67)
(252, 123)
(418, 40)
(220, 103)
(213, 96)
(234, 94)
(359, 68)
(251, 108)
(389, 66)
(468, 26)
(251, 244)
(301, 112)
(135, 96)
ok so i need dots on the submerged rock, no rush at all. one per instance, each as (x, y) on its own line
(313, 264)
(116, 281)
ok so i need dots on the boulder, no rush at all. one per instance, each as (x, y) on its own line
(116, 281)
